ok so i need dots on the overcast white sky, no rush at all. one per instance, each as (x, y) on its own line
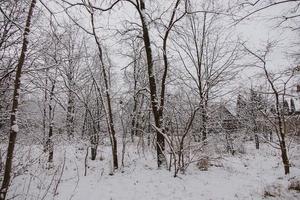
(256, 31)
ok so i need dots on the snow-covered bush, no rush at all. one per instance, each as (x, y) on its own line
(273, 190)
(203, 164)
(295, 184)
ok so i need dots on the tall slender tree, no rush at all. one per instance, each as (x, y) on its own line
(15, 104)
(279, 113)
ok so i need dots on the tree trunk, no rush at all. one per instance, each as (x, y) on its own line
(135, 103)
(282, 131)
(45, 113)
(109, 113)
(51, 116)
(13, 117)
(94, 139)
(70, 113)
(93, 152)
(113, 135)
(229, 145)
(284, 157)
(160, 140)
(204, 122)
(281, 127)
(201, 84)
(256, 141)
(84, 122)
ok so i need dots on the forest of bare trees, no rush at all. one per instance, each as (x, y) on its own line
(96, 86)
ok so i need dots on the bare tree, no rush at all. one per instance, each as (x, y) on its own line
(288, 17)
(157, 91)
(277, 92)
(11, 15)
(135, 79)
(207, 57)
(13, 119)
(108, 107)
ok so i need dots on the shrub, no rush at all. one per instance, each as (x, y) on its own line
(294, 185)
(203, 164)
(273, 190)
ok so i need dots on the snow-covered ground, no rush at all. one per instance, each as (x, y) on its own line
(242, 176)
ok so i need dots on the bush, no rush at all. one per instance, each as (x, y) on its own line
(294, 185)
(241, 149)
(273, 190)
(203, 164)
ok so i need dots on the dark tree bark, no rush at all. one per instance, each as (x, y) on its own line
(281, 130)
(284, 157)
(256, 141)
(293, 108)
(94, 138)
(71, 105)
(45, 112)
(135, 101)
(93, 152)
(15, 105)
(160, 141)
(51, 116)
(110, 117)
(84, 122)
(171, 23)
(157, 102)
